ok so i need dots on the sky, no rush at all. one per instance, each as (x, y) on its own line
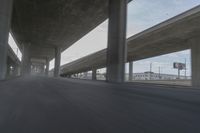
(165, 62)
(142, 14)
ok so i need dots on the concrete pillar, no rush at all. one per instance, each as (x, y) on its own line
(195, 55)
(5, 18)
(85, 74)
(43, 69)
(47, 67)
(16, 70)
(57, 62)
(116, 51)
(130, 71)
(94, 74)
(8, 71)
(26, 60)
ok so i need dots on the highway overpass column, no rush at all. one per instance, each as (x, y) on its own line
(16, 70)
(57, 62)
(5, 18)
(26, 61)
(47, 67)
(116, 51)
(43, 69)
(130, 71)
(195, 54)
(94, 74)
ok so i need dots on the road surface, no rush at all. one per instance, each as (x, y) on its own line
(49, 105)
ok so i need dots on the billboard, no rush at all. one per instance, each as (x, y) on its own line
(180, 66)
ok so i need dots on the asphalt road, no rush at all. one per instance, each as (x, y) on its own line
(48, 105)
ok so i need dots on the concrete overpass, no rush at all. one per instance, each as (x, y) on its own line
(178, 33)
(47, 28)
(42, 30)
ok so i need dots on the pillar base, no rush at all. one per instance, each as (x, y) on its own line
(195, 54)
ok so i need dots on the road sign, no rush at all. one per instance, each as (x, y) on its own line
(180, 66)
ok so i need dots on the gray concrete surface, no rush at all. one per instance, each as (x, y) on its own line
(94, 74)
(195, 54)
(57, 62)
(117, 52)
(53, 105)
(12, 60)
(55, 23)
(13, 57)
(47, 67)
(5, 18)
(26, 60)
(170, 36)
(49, 24)
(130, 71)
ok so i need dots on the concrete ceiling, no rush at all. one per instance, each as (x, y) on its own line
(170, 36)
(46, 24)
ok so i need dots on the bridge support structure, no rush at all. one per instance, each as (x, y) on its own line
(5, 19)
(57, 62)
(116, 51)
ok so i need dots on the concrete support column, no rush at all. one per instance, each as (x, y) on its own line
(57, 62)
(26, 60)
(116, 51)
(5, 18)
(16, 70)
(43, 69)
(130, 71)
(195, 55)
(85, 74)
(8, 71)
(94, 74)
(47, 67)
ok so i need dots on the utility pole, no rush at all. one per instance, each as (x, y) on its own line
(178, 73)
(185, 68)
(159, 72)
(150, 70)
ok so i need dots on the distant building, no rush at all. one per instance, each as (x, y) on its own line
(136, 76)
(156, 76)
(88, 75)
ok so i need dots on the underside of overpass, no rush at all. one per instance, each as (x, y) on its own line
(43, 29)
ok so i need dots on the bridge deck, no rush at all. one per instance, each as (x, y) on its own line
(48, 105)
